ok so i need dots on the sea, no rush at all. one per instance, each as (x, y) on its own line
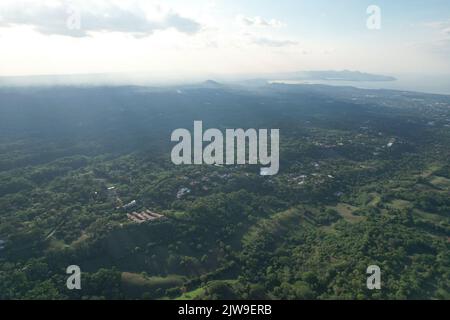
(426, 84)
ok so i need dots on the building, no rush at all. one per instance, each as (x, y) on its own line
(130, 205)
(182, 192)
(145, 216)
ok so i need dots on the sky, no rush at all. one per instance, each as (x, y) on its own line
(179, 38)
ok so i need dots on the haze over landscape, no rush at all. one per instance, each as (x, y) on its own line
(97, 96)
(174, 40)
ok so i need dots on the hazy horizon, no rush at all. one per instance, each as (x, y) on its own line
(211, 37)
(426, 83)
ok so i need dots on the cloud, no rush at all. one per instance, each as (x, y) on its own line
(259, 22)
(63, 18)
(442, 26)
(441, 45)
(267, 42)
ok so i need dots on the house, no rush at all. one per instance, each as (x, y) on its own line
(153, 214)
(112, 192)
(134, 218)
(145, 216)
(391, 143)
(182, 192)
(130, 205)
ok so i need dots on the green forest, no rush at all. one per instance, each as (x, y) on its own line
(86, 179)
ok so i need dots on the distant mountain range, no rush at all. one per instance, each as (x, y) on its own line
(344, 75)
(148, 79)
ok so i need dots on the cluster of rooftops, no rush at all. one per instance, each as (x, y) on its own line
(145, 216)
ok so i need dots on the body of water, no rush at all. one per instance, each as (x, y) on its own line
(427, 84)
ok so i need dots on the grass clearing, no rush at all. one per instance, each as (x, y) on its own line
(192, 295)
(346, 211)
(136, 284)
(400, 204)
(440, 182)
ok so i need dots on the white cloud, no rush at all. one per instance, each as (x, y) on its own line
(441, 43)
(259, 22)
(439, 46)
(53, 17)
(442, 26)
(268, 42)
